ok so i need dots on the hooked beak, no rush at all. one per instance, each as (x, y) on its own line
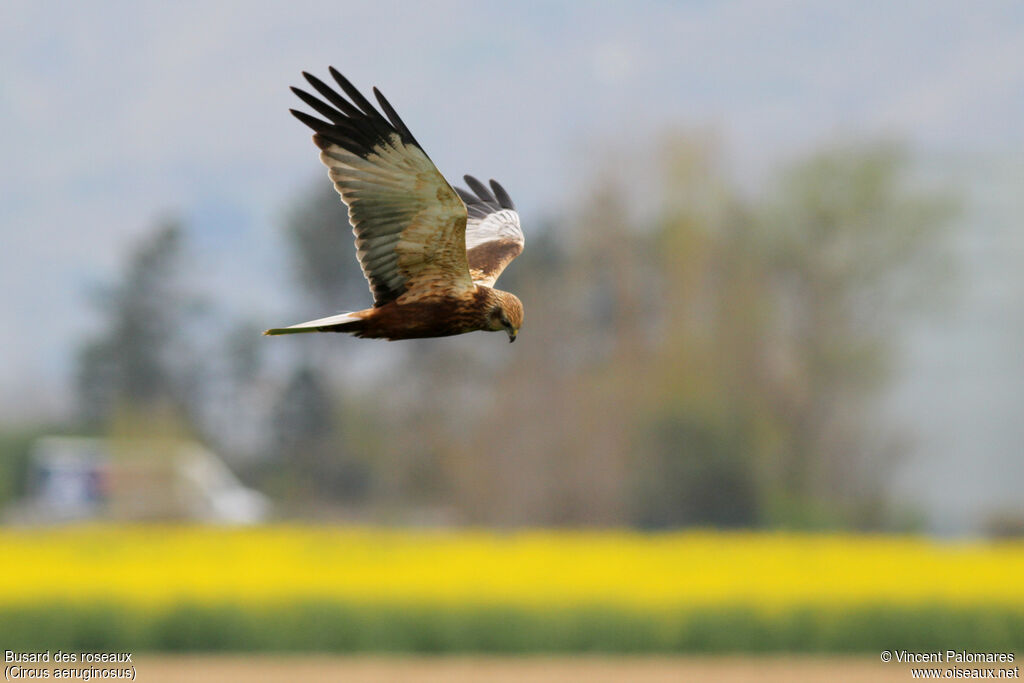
(512, 334)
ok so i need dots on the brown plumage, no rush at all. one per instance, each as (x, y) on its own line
(430, 253)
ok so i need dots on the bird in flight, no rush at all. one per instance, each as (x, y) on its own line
(430, 253)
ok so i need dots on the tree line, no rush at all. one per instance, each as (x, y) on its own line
(715, 360)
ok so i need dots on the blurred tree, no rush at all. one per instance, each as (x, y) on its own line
(698, 439)
(781, 317)
(323, 251)
(132, 361)
(244, 353)
(15, 452)
(304, 435)
(711, 360)
(854, 248)
(696, 474)
(237, 392)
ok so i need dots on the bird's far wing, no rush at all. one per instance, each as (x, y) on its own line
(409, 224)
(493, 234)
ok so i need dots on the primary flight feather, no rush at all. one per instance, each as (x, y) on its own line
(430, 253)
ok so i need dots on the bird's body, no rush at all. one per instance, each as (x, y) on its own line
(434, 317)
(430, 253)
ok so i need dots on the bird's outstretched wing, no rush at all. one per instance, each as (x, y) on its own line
(409, 224)
(493, 234)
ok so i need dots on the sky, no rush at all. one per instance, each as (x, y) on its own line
(116, 114)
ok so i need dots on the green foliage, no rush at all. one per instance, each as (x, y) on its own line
(781, 322)
(696, 474)
(331, 627)
(305, 434)
(15, 448)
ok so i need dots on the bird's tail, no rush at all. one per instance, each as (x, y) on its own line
(343, 322)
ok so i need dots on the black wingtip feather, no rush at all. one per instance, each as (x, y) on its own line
(355, 125)
(321, 107)
(466, 196)
(479, 200)
(311, 121)
(354, 94)
(327, 134)
(480, 189)
(393, 116)
(334, 98)
(503, 199)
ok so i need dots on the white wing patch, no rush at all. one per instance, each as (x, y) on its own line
(493, 234)
(502, 225)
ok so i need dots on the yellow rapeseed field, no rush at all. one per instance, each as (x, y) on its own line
(159, 565)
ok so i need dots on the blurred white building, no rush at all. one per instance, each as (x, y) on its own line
(73, 478)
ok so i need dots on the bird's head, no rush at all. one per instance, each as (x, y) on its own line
(506, 314)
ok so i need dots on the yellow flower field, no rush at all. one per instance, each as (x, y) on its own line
(148, 566)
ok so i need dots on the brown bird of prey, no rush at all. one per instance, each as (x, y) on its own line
(430, 253)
